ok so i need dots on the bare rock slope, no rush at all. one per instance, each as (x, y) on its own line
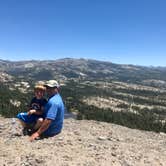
(84, 143)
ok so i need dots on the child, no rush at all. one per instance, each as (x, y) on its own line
(34, 117)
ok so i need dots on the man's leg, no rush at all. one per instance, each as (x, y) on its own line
(38, 123)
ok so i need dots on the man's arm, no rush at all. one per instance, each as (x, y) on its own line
(43, 128)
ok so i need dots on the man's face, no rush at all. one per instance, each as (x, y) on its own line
(50, 91)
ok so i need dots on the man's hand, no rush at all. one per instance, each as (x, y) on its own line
(30, 112)
(42, 128)
(34, 136)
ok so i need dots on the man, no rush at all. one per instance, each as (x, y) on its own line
(54, 112)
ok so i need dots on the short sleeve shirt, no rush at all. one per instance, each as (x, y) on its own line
(54, 110)
(37, 104)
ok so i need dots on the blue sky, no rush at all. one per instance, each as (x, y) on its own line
(119, 31)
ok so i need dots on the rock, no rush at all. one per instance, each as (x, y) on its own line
(84, 143)
(102, 138)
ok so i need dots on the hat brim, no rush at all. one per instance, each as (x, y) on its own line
(50, 86)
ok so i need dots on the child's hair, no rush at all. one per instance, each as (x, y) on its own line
(39, 86)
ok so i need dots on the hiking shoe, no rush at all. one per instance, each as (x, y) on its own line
(25, 131)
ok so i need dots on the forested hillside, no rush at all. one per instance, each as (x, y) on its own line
(133, 96)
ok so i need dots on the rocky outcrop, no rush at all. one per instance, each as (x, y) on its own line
(83, 143)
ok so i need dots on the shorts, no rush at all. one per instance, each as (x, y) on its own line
(46, 135)
(28, 118)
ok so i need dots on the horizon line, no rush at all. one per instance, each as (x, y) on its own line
(41, 60)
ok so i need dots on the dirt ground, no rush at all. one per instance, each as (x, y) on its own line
(83, 143)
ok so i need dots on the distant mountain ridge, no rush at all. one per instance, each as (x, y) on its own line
(85, 69)
(134, 96)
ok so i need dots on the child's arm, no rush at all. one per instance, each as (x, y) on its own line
(36, 112)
